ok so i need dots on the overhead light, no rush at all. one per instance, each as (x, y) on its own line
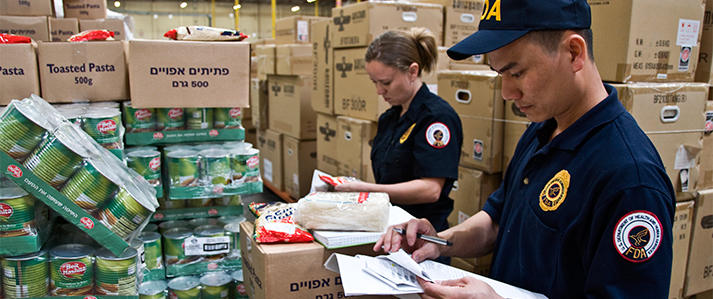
(170, 16)
(155, 16)
(310, 1)
(237, 6)
(117, 3)
(295, 8)
(184, 4)
(231, 15)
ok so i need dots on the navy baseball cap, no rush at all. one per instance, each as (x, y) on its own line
(504, 21)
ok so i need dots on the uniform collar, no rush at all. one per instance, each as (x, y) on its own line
(415, 106)
(604, 112)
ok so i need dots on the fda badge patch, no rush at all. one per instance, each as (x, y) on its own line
(555, 191)
(637, 236)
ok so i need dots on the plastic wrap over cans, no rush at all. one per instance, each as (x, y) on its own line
(349, 211)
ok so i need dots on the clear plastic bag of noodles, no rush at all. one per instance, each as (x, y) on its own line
(348, 211)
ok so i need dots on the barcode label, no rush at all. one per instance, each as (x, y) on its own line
(207, 246)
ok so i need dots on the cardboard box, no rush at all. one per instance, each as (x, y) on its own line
(705, 54)
(461, 18)
(516, 123)
(290, 106)
(114, 25)
(293, 59)
(26, 8)
(300, 158)
(323, 67)
(671, 115)
(681, 239)
(327, 143)
(431, 79)
(475, 62)
(250, 132)
(36, 28)
(95, 71)
(291, 270)
(470, 192)
(468, 67)
(63, 29)
(647, 41)
(704, 295)
(18, 72)
(85, 9)
(265, 61)
(476, 98)
(354, 140)
(294, 30)
(700, 260)
(189, 74)
(356, 25)
(259, 102)
(705, 181)
(269, 143)
(354, 93)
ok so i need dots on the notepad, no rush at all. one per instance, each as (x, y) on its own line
(340, 239)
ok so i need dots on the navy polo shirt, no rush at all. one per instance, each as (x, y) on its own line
(425, 142)
(588, 214)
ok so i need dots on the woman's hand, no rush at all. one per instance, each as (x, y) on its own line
(463, 288)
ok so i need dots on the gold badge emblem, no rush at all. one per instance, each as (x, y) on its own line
(555, 191)
(406, 134)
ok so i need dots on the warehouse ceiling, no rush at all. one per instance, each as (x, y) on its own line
(295, 2)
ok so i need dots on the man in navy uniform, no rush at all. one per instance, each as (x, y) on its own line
(585, 209)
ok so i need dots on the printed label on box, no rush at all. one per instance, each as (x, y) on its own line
(687, 32)
(267, 166)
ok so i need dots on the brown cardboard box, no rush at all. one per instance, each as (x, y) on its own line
(647, 41)
(323, 67)
(431, 79)
(300, 158)
(293, 59)
(516, 123)
(18, 72)
(354, 93)
(291, 270)
(265, 61)
(699, 274)
(461, 18)
(26, 8)
(474, 62)
(356, 25)
(85, 9)
(671, 115)
(470, 192)
(250, 132)
(95, 71)
(475, 96)
(63, 29)
(468, 67)
(189, 73)
(354, 139)
(327, 143)
(36, 28)
(705, 55)
(270, 145)
(290, 106)
(681, 239)
(705, 181)
(704, 295)
(294, 30)
(259, 103)
(114, 25)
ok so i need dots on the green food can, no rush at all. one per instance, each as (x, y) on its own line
(153, 290)
(216, 166)
(232, 230)
(17, 212)
(170, 119)
(211, 231)
(141, 256)
(237, 145)
(116, 275)
(245, 164)
(151, 227)
(72, 270)
(125, 212)
(225, 220)
(185, 287)
(199, 202)
(105, 127)
(147, 164)
(173, 250)
(21, 130)
(240, 292)
(130, 149)
(172, 148)
(26, 276)
(227, 118)
(183, 168)
(202, 221)
(153, 256)
(58, 156)
(92, 185)
(166, 225)
(139, 120)
(199, 118)
(215, 286)
(170, 204)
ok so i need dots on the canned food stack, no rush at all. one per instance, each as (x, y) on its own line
(141, 120)
(218, 165)
(102, 121)
(26, 275)
(153, 256)
(72, 270)
(23, 126)
(116, 275)
(21, 216)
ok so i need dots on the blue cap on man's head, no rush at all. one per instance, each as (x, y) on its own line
(504, 21)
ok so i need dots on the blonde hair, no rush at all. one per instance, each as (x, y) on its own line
(399, 49)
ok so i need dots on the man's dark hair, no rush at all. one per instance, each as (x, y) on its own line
(549, 39)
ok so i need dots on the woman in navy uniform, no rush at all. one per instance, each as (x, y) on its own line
(417, 146)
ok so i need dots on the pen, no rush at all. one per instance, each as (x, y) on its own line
(427, 238)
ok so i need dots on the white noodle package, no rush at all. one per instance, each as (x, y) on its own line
(348, 211)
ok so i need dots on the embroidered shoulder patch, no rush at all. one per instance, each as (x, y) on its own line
(555, 191)
(406, 134)
(637, 236)
(438, 135)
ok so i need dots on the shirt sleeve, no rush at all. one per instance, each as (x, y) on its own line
(437, 146)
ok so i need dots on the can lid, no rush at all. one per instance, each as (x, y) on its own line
(183, 153)
(238, 144)
(140, 197)
(216, 279)
(177, 147)
(184, 283)
(144, 153)
(31, 114)
(151, 227)
(152, 287)
(70, 136)
(178, 233)
(12, 192)
(26, 257)
(173, 224)
(71, 251)
(237, 275)
(202, 221)
(105, 169)
(148, 237)
(102, 112)
(105, 254)
(126, 103)
(233, 227)
(140, 148)
(136, 244)
(214, 153)
(208, 230)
